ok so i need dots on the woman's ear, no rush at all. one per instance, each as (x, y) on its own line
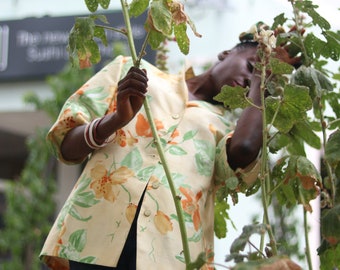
(223, 55)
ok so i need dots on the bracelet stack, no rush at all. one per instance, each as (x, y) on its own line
(90, 135)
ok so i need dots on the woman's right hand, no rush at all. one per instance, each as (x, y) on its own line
(131, 93)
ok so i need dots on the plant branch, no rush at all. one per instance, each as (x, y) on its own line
(157, 141)
(119, 30)
(264, 168)
(308, 255)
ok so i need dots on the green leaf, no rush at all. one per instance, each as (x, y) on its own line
(330, 259)
(220, 216)
(92, 5)
(104, 3)
(309, 8)
(332, 150)
(279, 20)
(303, 130)
(290, 109)
(233, 97)
(182, 38)
(279, 67)
(316, 81)
(161, 17)
(155, 39)
(137, 7)
(332, 49)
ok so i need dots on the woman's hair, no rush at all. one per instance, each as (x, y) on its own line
(245, 45)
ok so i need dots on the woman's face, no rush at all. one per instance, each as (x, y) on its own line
(235, 68)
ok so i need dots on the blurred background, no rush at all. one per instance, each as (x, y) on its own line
(33, 38)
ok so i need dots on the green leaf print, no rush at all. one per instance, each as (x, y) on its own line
(88, 260)
(74, 213)
(95, 100)
(133, 160)
(204, 157)
(189, 135)
(78, 240)
(176, 150)
(85, 199)
(145, 174)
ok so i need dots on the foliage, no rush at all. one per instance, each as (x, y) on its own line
(295, 115)
(30, 202)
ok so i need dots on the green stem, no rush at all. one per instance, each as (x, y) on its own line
(125, 9)
(308, 255)
(176, 198)
(122, 31)
(297, 21)
(265, 181)
(327, 166)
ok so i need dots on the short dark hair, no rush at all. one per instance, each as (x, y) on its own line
(245, 45)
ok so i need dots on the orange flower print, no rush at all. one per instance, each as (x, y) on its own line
(60, 240)
(113, 103)
(212, 129)
(80, 91)
(124, 140)
(162, 222)
(143, 127)
(190, 205)
(209, 259)
(130, 212)
(103, 182)
(173, 136)
(153, 182)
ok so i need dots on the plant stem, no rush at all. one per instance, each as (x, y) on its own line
(327, 166)
(125, 9)
(265, 183)
(176, 197)
(309, 260)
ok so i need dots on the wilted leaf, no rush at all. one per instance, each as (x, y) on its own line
(330, 225)
(273, 263)
(233, 97)
(296, 180)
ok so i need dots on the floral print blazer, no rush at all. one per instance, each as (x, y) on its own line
(93, 225)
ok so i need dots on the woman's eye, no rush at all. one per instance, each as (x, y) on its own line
(250, 66)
